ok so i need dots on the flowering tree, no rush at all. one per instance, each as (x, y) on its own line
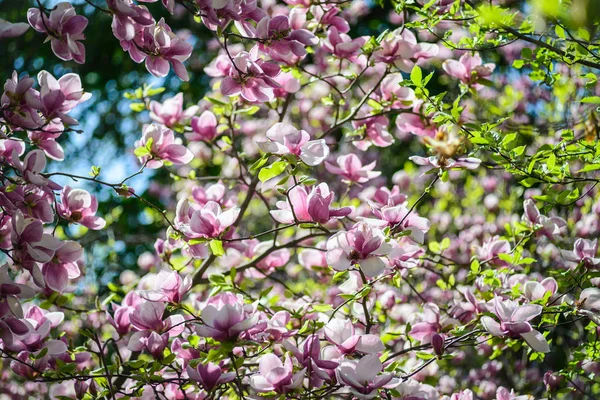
(407, 214)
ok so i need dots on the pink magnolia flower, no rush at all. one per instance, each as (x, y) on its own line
(342, 45)
(280, 40)
(63, 266)
(30, 199)
(491, 249)
(159, 47)
(399, 218)
(326, 16)
(78, 206)
(503, 394)
(45, 139)
(276, 376)
(364, 378)
(58, 97)
(313, 207)
(350, 167)
(469, 68)
(10, 30)
(128, 18)
(589, 299)
(120, 320)
(210, 221)
(153, 332)
(341, 333)
(171, 113)
(415, 124)
(21, 103)
(551, 227)
(362, 245)
(169, 287)
(31, 169)
(251, 77)
(400, 48)
(37, 338)
(10, 293)
(534, 290)
(430, 324)
(285, 139)
(161, 146)
(209, 375)
(31, 245)
(226, 317)
(584, 251)
(514, 322)
(376, 131)
(310, 357)
(64, 29)
(447, 163)
(204, 127)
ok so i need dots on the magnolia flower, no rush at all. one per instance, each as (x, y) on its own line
(584, 251)
(128, 18)
(589, 304)
(10, 293)
(78, 206)
(400, 48)
(514, 322)
(171, 113)
(551, 227)
(226, 317)
(169, 287)
(210, 221)
(363, 376)
(469, 68)
(342, 45)
(285, 139)
(276, 376)
(204, 127)
(534, 290)
(147, 318)
(58, 97)
(350, 167)
(63, 266)
(160, 48)
(31, 169)
(120, 320)
(64, 29)
(363, 245)
(341, 333)
(45, 139)
(21, 103)
(158, 145)
(309, 356)
(9, 30)
(210, 375)
(313, 207)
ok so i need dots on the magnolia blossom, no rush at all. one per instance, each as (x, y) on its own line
(589, 304)
(342, 45)
(584, 251)
(551, 227)
(158, 46)
(9, 30)
(58, 97)
(171, 113)
(341, 334)
(209, 375)
(210, 221)
(159, 145)
(469, 68)
(514, 322)
(314, 206)
(64, 29)
(153, 331)
(534, 290)
(364, 378)
(63, 266)
(21, 103)
(276, 376)
(363, 245)
(169, 287)
(400, 48)
(128, 18)
(285, 139)
(78, 206)
(309, 355)
(226, 317)
(204, 127)
(31, 169)
(350, 167)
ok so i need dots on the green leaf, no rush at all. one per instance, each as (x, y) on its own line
(591, 99)
(272, 170)
(216, 247)
(137, 107)
(416, 75)
(141, 152)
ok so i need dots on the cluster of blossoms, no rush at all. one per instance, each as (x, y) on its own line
(298, 270)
